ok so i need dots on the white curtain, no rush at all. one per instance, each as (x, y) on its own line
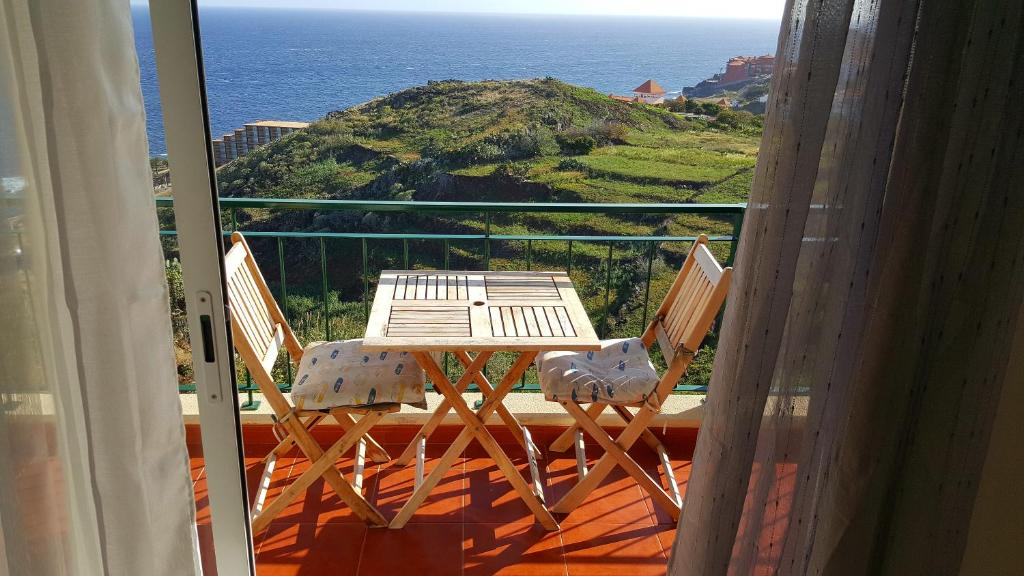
(878, 287)
(95, 476)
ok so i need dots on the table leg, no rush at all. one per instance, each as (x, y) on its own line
(435, 419)
(510, 421)
(476, 428)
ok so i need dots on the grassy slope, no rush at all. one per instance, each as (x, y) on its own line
(445, 141)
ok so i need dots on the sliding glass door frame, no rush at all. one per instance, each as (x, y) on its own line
(179, 62)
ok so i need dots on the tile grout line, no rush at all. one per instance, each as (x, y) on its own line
(462, 505)
(266, 531)
(654, 516)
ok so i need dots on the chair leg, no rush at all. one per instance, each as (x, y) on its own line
(581, 454)
(323, 464)
(566, 438)
(264, 485)
(375, 451)
(360, 465)
(615, 454)
(288, 442)
(648, 437)
(666, 464)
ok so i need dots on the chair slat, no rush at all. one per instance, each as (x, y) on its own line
(233, 259)
(708, 264)
(665, 343)
(241, 314)
(690, 308)
(249, 283)
(273, 348)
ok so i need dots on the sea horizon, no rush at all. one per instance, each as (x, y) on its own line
(278, 63)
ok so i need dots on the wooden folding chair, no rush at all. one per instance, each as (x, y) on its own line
(678, 328)
(259, 330)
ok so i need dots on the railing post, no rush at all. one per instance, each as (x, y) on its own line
(737, 226)
(250, 403)
(607, 291)
(487, 240)
(647, 285)
(366, 282)
(323, 279)
(284, 305)
(568, 260)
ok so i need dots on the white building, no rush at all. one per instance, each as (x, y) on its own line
(650, 92)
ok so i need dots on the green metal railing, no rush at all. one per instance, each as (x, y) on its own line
(730, 212)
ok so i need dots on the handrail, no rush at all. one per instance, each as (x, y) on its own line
(441, 207)
(486, 209)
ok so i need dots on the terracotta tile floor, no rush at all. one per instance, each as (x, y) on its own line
(471, 524)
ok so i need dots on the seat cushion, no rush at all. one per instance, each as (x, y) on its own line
(619, 373)
(340, 374)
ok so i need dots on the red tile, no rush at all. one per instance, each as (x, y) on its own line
(617, 500)
(310, 550)
(209, 560)
(395, 485)
(594, 549)
(511, 550)
(489, 495)
(666, 537)
(416, 549)
(253, 472)
(202, 499)
(681, 469)
(196, 465)
(320, 504)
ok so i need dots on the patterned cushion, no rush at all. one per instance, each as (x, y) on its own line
(619, 373)
(336, 374)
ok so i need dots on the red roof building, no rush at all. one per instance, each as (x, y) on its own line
(650, 92)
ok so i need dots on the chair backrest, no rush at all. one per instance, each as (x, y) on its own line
(690, 307)
(258, 327)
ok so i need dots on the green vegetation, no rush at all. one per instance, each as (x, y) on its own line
(510, 141)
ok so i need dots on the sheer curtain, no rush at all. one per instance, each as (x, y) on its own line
(878, 285)
(94, 476)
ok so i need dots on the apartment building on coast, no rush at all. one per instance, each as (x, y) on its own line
(250, 136)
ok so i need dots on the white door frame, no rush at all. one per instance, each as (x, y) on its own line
(197, 219)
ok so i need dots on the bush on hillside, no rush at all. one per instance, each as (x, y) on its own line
(513, 171)
(511, 145)
(572, 165)
(710, 108)
(736, 119)
(675, 105)
(575, 144)
(609, 133)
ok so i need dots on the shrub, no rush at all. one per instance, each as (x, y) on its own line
(710, 108)
(736, 119)
(610, 132)
(572, 165)
(676, 105)
(575, 144)
(513, 171)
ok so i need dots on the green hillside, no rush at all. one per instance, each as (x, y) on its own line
(509, 141)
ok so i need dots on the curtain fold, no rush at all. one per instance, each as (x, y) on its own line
(878, 285)
(116, 496)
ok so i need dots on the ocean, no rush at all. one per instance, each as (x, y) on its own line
(281, 64)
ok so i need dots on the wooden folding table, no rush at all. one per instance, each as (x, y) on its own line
(479, 313)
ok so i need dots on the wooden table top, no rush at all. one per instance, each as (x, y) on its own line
(419, 310)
